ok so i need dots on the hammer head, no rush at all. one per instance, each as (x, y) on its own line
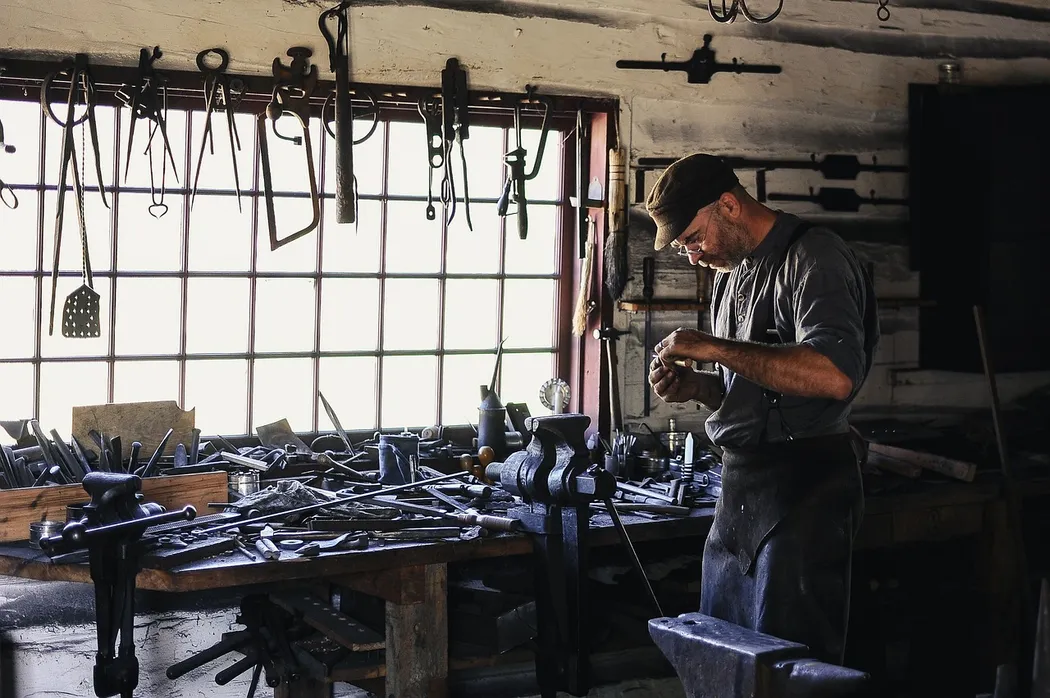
(609, 333)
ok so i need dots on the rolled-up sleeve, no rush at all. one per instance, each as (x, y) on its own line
(829, 315)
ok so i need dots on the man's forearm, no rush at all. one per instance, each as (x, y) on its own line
(709, 389)
(791, 370)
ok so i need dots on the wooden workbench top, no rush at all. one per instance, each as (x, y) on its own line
(929, 511)
(232, 569)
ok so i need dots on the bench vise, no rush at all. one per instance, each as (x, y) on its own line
(114, 521)
(718, 659)
(557, 483)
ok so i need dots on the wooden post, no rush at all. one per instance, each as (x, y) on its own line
(417, 639)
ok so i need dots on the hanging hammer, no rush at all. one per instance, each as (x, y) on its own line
(609, 335)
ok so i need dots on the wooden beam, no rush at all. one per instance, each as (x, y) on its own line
(960, 470)
(417, 639)
(21, 506)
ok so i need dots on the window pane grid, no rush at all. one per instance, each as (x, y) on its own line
(117, 279)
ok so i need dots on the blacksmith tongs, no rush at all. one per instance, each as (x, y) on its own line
(146, 100)
(339, 63)
(220, 91)
(80, 85)
(7, 194)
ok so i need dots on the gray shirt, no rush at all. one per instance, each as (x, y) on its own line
(816, 296)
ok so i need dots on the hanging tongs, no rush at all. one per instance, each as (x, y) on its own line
(339, 63)
(293, 87)
(514, 187)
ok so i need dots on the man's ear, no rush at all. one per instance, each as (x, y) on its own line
(730, 205)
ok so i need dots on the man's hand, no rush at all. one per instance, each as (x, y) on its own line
(685, 344)
(675, 384)
(672, 384)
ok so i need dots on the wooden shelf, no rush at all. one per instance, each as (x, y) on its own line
(680, 304)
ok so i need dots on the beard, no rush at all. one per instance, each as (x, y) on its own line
(735, 245)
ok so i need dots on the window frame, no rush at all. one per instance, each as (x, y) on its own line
(22, 78)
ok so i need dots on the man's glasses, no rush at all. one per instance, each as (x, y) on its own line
(697, 239)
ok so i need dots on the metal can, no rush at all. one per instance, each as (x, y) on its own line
(39, 530)
(244, 484)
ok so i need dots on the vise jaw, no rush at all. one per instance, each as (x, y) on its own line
(554, 469)
(718, 659)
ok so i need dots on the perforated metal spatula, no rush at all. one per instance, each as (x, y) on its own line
(80, 314)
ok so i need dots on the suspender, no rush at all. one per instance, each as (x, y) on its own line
(722, 283)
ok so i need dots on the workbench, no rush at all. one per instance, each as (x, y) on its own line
(411, 577)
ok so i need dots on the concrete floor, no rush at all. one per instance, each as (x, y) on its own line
(640, 688)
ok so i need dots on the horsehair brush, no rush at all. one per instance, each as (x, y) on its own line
(615, 250)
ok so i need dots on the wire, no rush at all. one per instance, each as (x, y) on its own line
(738, 7)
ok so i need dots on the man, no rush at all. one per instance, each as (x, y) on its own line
(794, 328)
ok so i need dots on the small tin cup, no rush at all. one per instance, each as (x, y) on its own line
(39, 530)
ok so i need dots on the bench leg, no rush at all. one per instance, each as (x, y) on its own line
(417, 639)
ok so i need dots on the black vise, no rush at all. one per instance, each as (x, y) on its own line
(718, 659)
(555, 468)
(113, 522)
(557, 482)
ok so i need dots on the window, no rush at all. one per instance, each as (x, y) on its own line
(396, 321)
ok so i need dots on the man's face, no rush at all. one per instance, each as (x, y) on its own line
(714, 240)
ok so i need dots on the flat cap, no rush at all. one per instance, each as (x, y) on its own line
(683, 189)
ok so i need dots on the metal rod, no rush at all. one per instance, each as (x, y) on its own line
(634, 489)
(335, 502)
(626, 540)
(1009, 491)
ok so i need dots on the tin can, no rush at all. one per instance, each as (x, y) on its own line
(39, 530)
(244, 484)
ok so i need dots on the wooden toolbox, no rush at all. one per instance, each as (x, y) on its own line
(20, 507)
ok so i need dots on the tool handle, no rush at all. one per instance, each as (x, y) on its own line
(233, 642)
(497, 523)
(267, 549)
(651, 65)
(523, 219)
(239, 667)
(76, 535)
(648, 277)
(747, 68)
(344, 146)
